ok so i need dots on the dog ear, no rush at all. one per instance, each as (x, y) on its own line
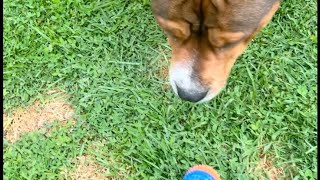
(178, 29)
(266, 19)
(160, 7)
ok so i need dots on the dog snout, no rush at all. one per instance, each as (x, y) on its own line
(190, 95)
(186, 83)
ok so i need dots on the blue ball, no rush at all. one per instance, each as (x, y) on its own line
(198, 175)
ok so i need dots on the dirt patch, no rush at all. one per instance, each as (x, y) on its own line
(163, 73)
(86, 169)
(34, 117)
(122, 170)
(267, 167)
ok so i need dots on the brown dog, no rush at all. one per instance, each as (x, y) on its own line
(206, 37)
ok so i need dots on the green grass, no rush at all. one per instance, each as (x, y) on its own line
(107, 56)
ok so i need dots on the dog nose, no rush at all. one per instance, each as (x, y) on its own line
(193, 96)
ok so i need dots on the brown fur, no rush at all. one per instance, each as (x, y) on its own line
(213, 32)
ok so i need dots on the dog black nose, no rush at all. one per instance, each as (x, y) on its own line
(193, 96)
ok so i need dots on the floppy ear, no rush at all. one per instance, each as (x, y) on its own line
(178, 29)
(161, 7)
(266, 19)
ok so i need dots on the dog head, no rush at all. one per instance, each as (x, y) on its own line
(206, 37)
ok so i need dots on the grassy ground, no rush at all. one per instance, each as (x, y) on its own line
(109, 58)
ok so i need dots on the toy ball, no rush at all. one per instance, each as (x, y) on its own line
(201, 172)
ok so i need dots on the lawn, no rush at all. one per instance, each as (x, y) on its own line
(110, 58)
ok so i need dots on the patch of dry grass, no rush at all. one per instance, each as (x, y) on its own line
(266, 167)
(34, 117)
(86, 169)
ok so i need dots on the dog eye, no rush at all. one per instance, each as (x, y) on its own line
(175, 34)
(230, 45)
(177, 29)
(220, 39)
